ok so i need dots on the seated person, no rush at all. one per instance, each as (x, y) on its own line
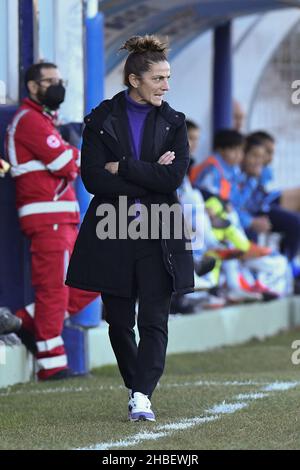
(217, 178)
(226, 228)
(259, 214)
(217, 175)
(194, 203)
(218, 235)
(288, 198)
(211, 178)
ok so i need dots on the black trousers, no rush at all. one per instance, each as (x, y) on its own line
(142, 365)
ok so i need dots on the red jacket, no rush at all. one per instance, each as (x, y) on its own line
(43, 166)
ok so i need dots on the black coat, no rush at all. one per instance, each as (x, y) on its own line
(102, 265)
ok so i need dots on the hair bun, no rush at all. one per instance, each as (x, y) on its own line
(147, 43)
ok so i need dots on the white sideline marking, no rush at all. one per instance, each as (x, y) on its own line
(216, 411)
(280, 386)
(276, 386)
(226, 408)
(199, 383)
(251, 396)
(168, 428)
(133, 440)
(187, 423)
(209, 383)
(145, 436)
(8, 393)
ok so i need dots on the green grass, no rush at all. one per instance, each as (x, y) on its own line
(86, 411)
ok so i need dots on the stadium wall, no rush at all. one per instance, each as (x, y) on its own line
(192, 333)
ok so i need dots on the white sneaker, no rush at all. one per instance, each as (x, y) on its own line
(141, 409)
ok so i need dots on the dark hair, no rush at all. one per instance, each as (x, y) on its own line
(143, 51)
(191, 124)
(227, 138)
(252, 141)
(263, 136)
(34, 71)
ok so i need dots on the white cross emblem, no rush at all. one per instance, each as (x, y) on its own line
(53, 141)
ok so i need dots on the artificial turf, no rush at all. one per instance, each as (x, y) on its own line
(83, 412)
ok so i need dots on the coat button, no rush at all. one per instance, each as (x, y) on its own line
(167, 128)
(101, 132)
(123, 158)
(176, 115)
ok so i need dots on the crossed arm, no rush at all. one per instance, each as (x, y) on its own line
(134, 178)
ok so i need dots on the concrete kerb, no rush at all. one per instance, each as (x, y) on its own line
(187, 333)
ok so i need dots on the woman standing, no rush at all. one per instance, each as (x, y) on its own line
(135, 147)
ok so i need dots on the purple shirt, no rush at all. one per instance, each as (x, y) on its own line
(137, 114)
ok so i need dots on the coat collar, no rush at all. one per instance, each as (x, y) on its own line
(110, 120)
(29, 103)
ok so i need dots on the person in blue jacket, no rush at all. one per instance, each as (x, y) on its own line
(218, 174)
(259, 213)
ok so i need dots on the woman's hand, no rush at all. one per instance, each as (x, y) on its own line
(112, 167)
(167, 158)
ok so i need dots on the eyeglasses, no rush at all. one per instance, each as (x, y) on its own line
(53, 81)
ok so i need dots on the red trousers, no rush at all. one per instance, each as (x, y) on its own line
(51, 248)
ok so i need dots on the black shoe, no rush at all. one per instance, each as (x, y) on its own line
(205, 265)
(9, 323)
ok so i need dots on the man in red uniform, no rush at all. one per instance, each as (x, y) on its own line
(44, 167)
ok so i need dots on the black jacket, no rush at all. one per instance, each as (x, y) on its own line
(102, 265)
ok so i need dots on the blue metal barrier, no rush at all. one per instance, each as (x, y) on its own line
(95, 73)
(75, 339)
(222, 80)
